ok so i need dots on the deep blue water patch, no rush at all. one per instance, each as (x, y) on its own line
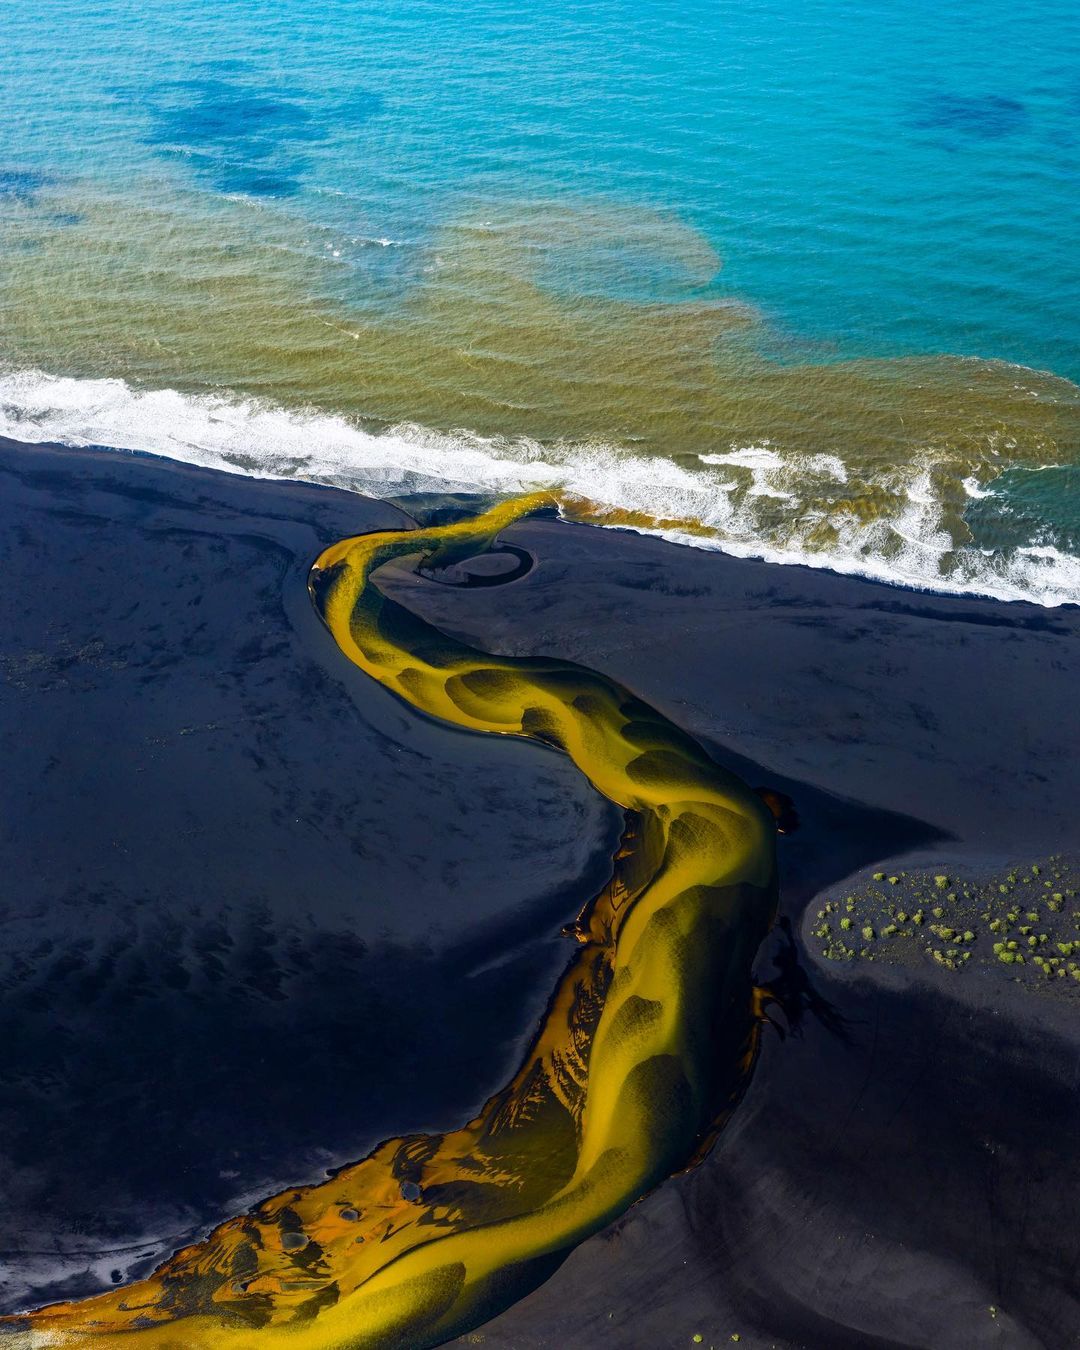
(985, 117)
(240, 137)
(22, 185)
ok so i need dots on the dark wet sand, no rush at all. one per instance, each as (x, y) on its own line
(258, 915)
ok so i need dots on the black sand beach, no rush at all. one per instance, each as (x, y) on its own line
(258, 915)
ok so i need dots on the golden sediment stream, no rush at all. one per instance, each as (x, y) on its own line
(646, 1044)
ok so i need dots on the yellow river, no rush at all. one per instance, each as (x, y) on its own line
(646, 1045)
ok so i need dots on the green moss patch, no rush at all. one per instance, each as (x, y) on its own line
(1025, 923)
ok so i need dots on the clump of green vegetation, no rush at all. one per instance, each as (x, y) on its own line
(918, 917)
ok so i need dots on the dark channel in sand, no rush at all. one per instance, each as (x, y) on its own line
(200, 870)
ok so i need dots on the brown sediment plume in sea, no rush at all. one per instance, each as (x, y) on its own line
(647, 1043)
(476, 333)
(503, 354)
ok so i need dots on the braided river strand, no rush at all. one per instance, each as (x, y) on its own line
(645, 1047)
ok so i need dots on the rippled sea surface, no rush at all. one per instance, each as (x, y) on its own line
(797, 279)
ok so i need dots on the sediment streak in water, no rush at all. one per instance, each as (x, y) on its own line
(647, 1041)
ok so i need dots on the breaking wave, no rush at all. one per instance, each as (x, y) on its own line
(752, 501)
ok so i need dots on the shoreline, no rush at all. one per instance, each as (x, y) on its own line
(614, 488)
(867, 703)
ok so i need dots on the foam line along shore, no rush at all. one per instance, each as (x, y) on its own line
(907, 523)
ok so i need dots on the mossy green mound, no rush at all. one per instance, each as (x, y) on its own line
(1025, 921)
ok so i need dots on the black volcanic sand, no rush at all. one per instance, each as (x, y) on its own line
(258, 914)
(905, 1161)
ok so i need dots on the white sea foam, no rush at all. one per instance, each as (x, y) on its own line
(974, 489)
(729, 503)
(747, 457)
(763, 456)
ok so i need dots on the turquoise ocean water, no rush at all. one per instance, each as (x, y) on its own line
(790, 278)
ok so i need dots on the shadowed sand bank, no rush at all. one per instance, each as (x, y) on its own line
(836, 690)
